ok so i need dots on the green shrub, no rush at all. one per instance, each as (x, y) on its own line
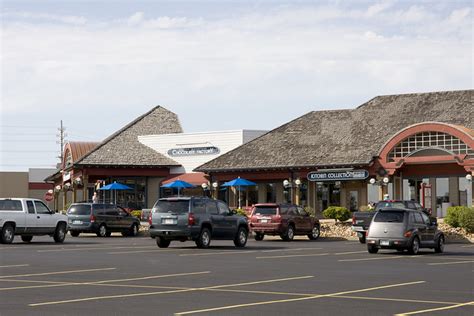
(452, 217)
(338, 213)
(136, 213)
(466, 219)
(241, 211)
(311, 212)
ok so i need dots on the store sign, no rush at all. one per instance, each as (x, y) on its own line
(66, 176)
(322, 176)
(193, 151)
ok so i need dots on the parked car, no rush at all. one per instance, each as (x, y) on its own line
(102, 219)
(28, 218)
(286, 220)
(196, 218)
(404, 229)
(362, 220)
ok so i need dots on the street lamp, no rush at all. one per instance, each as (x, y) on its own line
(288, 184)
(469, 177)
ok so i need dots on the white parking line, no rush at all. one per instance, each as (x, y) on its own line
(446, 263)
(349, 253)
(95, 248)
(436, 309)
(54, 273)
(217, 253)
(15, 266)
(296, 249)
(293, 256)
(369, 259)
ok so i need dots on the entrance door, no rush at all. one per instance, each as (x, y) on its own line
(329, 194)
(412, 189)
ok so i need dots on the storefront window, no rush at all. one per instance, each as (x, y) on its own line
(354, 201)
(328, 194)
(412, 187)
(271, 193)
(442, 196)
(465, 192)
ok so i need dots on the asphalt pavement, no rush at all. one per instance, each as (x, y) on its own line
(124, 276)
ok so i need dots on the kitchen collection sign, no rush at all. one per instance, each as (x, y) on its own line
(324, 176)
(193, 151)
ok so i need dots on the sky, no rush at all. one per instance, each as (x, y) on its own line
(219, 65)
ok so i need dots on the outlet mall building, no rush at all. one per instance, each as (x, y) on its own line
(414, 146)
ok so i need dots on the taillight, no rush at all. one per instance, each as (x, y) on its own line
(353, 219)
(191, 219)
(92, 218)
(408, 234)
(276, 219)
(150, 219)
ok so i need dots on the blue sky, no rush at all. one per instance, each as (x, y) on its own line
(218, 64)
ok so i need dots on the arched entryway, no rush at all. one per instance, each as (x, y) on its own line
(429, 162)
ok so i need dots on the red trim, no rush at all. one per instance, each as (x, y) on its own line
(392, 167)
(196, 178)
(40, 186)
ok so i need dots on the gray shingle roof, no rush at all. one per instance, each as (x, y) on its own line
(123, 148)
(346, 137)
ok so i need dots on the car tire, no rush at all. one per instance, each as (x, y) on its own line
(289, 234)
(162, 243)
(60, 233)
(439, 248)
(259, 236)
(241, 237)
(204, 239)
(315, 233)
(102, 231)
(27, 238)
(372, 249)
(75, 234)
(414, 246)
(362, 239)
(133, 230)
(8, 234)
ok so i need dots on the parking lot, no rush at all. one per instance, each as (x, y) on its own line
(91, 275)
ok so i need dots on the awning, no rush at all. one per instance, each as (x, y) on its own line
(196, 178)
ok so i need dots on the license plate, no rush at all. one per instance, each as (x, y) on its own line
(384, 243)
(264, 221)
(168, 221)
(77, 222)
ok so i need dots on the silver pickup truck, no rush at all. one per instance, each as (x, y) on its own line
(28, 218)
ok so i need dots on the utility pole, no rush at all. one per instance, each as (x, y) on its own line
(61, 139)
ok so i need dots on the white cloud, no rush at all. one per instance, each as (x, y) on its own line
(136, 18)
(30, 16)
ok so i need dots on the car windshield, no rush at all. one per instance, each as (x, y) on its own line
(382, 205)
(265, 210)
(172, 206)
(389, 217)
(79, 210)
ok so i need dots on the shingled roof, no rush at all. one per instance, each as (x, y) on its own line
(123, 148)
(345, 137)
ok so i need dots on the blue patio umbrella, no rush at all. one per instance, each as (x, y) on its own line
(115, 187)
(178, 184)
(239, 182)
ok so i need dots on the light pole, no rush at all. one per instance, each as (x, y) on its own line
(289, 184)
(382, 183)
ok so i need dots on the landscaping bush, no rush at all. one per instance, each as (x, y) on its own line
(241, 211)
(136, 213)
(337, 213)
(453, 215)
(310, 211)
(466, 219)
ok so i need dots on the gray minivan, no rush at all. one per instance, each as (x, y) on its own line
(196, 218)
(102, 219)
(404, 229)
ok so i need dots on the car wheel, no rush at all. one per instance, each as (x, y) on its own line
(60, 233)
(414, 247)
(439, 248)
(259, 236)
(162, 243)
(289, 234)
(133, 230)
(75, 234)
(362, 239)
(27, 238)
(8, 234)
(102, 232)
(314, 233)
(204, 239)
(240, 239)
(372, 249)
